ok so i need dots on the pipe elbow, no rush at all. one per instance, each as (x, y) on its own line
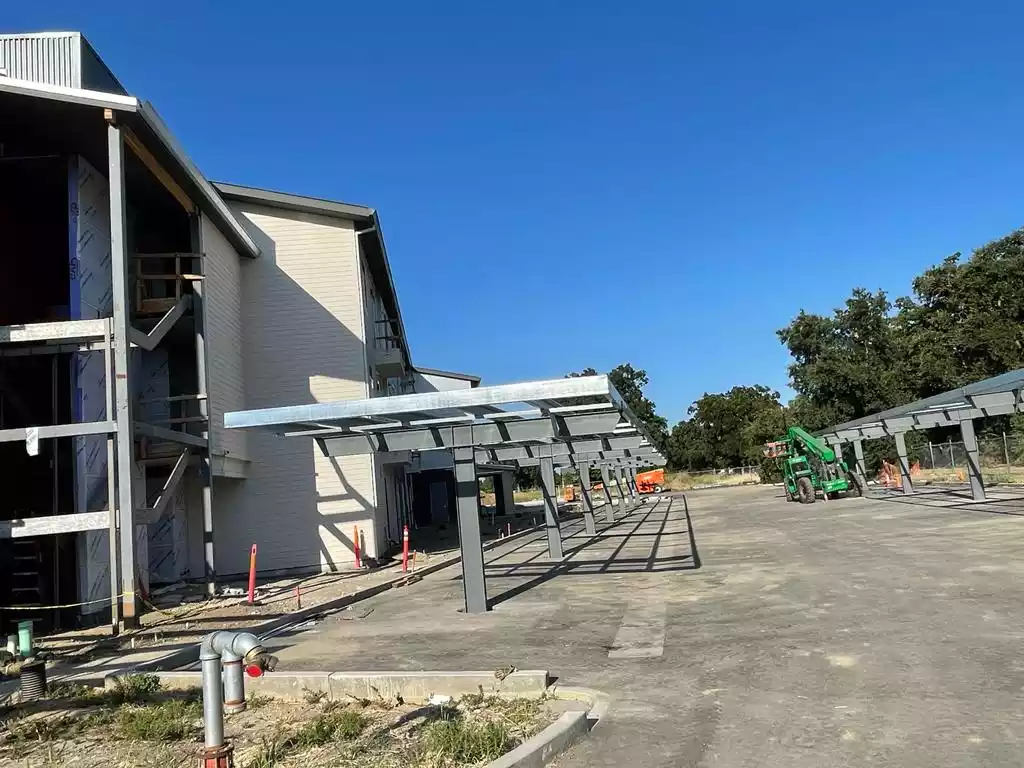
(239, 644)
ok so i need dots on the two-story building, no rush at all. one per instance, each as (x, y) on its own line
(140, 303)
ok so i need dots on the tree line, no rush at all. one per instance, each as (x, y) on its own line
(962, 322)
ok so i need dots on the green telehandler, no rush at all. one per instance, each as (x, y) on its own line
(809, 467)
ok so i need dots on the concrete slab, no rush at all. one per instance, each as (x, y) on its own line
(854, 633)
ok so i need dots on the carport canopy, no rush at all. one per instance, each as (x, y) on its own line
(995, 396)
(581, 421)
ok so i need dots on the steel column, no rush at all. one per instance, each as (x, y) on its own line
(122, 397)
(467, 495)
(618, 485)
(858, 453)
(550, 492)
(901, 452)
(606, 482)
(112, 544)
(504, 484)
(624, 478)
(588, 505)
(973, 460)
(203, 390)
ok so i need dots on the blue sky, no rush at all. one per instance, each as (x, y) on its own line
(565, 184)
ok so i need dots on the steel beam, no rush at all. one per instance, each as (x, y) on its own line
(973, 460)
(467, 495)
(69, 330)
(150, 341)
(588, 503)
(901, 452)
(122, 392)
(341, 411)
(170, 435)
(58, 430)
(51, 524)
(154, 513)
(550, 493)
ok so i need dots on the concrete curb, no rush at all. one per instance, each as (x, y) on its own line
(540, 749)
(190, 655)
(412, 687)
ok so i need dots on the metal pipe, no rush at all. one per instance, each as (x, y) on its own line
(213, 706)
(234, 682)
(236, 650)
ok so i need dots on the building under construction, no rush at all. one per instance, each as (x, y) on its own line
(140, 302)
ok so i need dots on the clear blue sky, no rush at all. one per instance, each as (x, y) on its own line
(565, 184)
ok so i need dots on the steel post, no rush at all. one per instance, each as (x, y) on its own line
(901, 452)
(467, 495)
(858, 455)
(973, 460)
(504, 483)
(115, 581)
(624, 478)
(588, 504)
(122, 396)
(606, 483)
(203, 390)
(618, 485)
(547, 482)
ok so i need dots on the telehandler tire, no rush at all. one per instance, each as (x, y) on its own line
(805, 490)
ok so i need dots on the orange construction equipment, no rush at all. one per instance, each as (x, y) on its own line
(650, 482)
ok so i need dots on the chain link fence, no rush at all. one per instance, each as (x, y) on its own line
(998, 451)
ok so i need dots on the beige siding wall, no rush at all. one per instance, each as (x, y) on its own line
(303, 316)
(223, 286)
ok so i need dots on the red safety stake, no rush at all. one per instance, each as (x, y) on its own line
(252, 575)
(405, 549)
(355, 546)
(298, 597)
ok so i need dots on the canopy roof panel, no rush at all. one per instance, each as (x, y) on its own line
(583, 417)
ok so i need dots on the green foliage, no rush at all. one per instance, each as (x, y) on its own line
(462, 741)
(964, 322)
(337, 725)
(169, 720)
(727, 429)
(133, 689)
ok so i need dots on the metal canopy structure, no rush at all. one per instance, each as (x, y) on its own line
(578, 422)
(996, 396)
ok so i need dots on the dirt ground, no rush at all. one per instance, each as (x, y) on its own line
(143, 727)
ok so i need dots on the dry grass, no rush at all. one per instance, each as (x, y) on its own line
(140, 725)
(996, 474)
(681, 481)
